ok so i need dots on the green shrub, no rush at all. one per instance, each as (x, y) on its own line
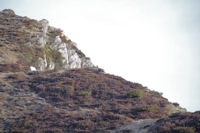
(183, 130)
(85, 93)
(69, 89)
(93, 86)
(60, 83)
(151, 108)
(88, 78)
(135, 93)
(148, 108)
(69, 41)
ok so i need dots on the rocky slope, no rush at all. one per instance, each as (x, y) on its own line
(77, 100)
(27, 44)
(47, 85)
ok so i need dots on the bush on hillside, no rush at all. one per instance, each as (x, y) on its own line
(85, 93)
(69, 89)
(135, 94)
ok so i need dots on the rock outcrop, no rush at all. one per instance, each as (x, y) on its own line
(36, 44)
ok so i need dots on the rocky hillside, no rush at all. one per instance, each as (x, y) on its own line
(47, 85)
(27, 44)
(78, 100)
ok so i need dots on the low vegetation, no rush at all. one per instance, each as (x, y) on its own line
(53, 55)
(148, 108)
(135, 93)
(85, 93)
(69, 89)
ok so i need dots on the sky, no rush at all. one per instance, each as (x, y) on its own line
(152, 42)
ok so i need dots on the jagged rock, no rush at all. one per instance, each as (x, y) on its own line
(58, 40)
(62, 48)
(45, 25)
(45, 61)
(42, 41)
(42, 38)
(41, 46)
(40, 64)
(175, 109)
(86, 62)
(51, 65)
(74, 59)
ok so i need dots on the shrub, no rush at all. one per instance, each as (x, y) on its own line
(60, 83)
(148, 108)
(88, 78)
(151, 108)
(69, 41)
(69, 89)
(93, 86)
(85, 93)
(135, 94)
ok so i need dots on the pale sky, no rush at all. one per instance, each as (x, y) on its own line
(152, 42)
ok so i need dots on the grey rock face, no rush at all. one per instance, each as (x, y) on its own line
(58, 40)
(86, 62)
(43, 38)
(42, 41)
(74, 59)
(40, 64)
(51, 65)
(45, 25)
(140, 126)
(174, 109)
(62, 48)
(71, 59)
